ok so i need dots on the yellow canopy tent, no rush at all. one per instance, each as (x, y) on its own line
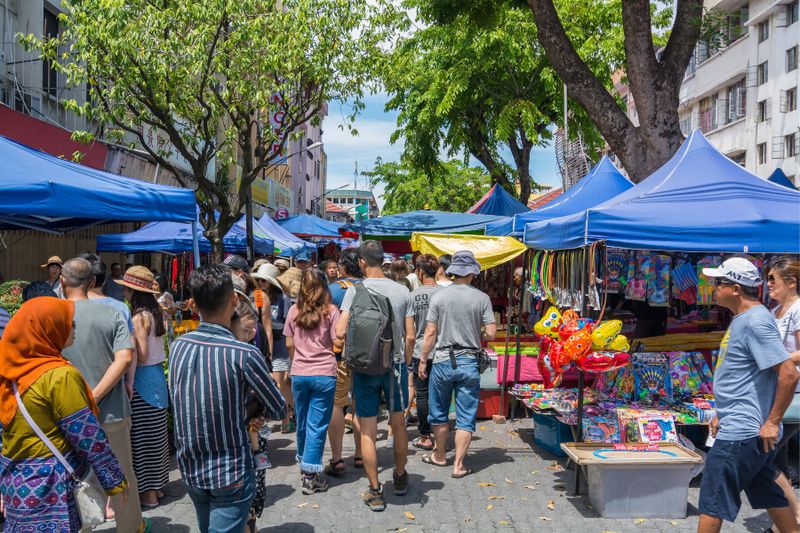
(489, 251)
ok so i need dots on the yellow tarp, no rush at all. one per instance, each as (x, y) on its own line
(489, 251)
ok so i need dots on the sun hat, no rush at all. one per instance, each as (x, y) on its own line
(282, 264)
(139, 278)
(54, 260)
(290, 281)
(237, 262)
(258, 264)
(463, 264)
(269, 273)
(737, 269)
(240, 288)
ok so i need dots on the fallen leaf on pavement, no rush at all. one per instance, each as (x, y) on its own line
(486, 484)
(489, 507)
(409, 515)
(674, 523)
(555, 466)
(545, 518)
(302, 505)
(468, 519)
(482, 428)
(529, 487)
(398, 529)
(505, 523)
(315, 506)
(551, 505)
(497, 497)
(639, 521)
(509, 481)
(534, 472)
(524, 499)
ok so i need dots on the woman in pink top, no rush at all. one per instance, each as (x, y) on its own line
(310, 337)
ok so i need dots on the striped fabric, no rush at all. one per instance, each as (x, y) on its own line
(210, 373)
(4, 318)
(149, 444)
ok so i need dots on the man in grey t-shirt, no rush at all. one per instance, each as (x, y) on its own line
(103, 351)
(456, 317)
(754, 383)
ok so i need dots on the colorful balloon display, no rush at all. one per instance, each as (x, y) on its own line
(605, 333)
(603, 361)
(620, 344)
(549, 324)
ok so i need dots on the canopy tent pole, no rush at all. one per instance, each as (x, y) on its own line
(195, 245)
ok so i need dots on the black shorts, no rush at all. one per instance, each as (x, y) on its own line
(736, 466)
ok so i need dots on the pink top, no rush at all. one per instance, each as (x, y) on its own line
(313, 348)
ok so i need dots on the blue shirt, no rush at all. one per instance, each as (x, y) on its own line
(744, 378)
(210, 374)
(338, 291)
(4, 318)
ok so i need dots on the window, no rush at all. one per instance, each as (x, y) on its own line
(49, 72)
(790, 100)
(708, 114)
(791, 59)
(790, 145)
(761, 115)
(737, 101)
(762, 154)
(791, 13)
(763, 72)
(763, 31)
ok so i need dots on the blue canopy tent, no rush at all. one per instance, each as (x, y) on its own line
(310, 226)
(780, 178)
(43, 192)
(498, 202)
(602, 183)
(699, 201)
(286, 243)
(176, 237)
(401, 226)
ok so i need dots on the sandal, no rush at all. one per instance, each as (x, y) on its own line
(428, 460)
(374, 499)
(333, 469)
(417, 444)
(358, 462)
(465, 473)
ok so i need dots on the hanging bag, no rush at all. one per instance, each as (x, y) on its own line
(89, 494)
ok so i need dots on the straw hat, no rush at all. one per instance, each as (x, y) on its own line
(139, 278)
(269, 273)
(282, 264)
(54, 260)
(290, 281)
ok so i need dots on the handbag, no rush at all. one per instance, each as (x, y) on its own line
(792, 414)
(90, 497)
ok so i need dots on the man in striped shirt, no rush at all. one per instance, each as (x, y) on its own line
(210, 373)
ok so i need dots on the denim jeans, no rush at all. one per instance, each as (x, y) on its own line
(465, 382)
(313, 406)
(224, 510)
(421, 386)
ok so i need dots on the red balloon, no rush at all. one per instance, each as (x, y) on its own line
(550, 378)
(558, 359)
(568, 329)
(545, 342)
(603, 361)
(570, 314)
(578, 344)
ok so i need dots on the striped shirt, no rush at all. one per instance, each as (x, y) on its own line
(210, 373)
(5, 317)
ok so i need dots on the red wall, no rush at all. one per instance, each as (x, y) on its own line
(49, 138)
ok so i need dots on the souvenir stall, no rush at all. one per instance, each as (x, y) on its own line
(685, 216)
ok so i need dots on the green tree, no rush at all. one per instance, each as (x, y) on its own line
(227, 82)
(455, 187)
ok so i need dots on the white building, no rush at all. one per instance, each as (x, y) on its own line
(741, 90)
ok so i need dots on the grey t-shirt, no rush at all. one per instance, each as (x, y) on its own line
(100, 331)
(121, 308)
(744, 379)
(420, 302)
(459, 311)
(399, 297)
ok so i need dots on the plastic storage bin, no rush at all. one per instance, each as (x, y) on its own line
(489, 403)
(636, 484)
(549, 433)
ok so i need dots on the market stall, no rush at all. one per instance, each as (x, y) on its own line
(286, 243)
(310, 226)
(780, 178)
(498, 202)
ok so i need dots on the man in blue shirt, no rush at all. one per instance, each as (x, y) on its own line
(754, 382)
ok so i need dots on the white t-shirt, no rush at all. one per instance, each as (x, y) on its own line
(788, 326)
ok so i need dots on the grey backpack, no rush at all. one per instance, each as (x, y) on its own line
(370, 333)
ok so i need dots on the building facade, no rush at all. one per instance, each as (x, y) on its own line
(741, 87)
(348, 199)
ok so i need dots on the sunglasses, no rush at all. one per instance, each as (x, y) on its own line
(718, 282)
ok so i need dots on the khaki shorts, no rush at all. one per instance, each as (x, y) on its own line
(344, 382)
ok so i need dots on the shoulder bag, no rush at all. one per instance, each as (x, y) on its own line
(89, 494)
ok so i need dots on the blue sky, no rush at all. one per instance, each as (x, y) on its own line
(375, 126)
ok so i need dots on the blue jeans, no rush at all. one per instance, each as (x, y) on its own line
(313, 407)
(465, 381)
(392, 386)
(224, 510)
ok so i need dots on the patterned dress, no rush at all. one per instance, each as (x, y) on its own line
(35, 487)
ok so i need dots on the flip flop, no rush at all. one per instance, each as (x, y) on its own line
(428, 459)
(416, 444)
(465, 473)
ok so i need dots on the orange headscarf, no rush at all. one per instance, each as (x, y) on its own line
(31, 345)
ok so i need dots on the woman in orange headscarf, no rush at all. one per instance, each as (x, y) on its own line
(36, 489)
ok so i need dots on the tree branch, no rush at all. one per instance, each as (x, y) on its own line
(683, 38)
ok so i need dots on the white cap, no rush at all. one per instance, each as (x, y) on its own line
(737, 269)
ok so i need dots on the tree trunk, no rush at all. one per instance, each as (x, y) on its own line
(654, 83)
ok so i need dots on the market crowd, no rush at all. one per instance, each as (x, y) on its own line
(319, 349)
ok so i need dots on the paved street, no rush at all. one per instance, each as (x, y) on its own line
(513, 484)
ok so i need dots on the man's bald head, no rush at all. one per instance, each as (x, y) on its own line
(77, 273)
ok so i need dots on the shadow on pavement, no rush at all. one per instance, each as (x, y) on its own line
(164, 524)
(290, 527)
(275, 493)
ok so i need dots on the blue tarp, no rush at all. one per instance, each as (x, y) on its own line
(310, 226)
(602, 183)
(401, 226)
(176, 237)
(498, 202)
(287, 243)
(699, 201)
(780, 178)
(40, 191)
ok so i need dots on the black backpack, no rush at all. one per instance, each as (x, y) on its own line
(370, 333)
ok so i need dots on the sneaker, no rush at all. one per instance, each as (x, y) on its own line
(314, 484)
(390, 442)
(400, 483)
(374, 499)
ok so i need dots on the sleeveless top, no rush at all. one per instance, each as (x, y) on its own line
(149, 380)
